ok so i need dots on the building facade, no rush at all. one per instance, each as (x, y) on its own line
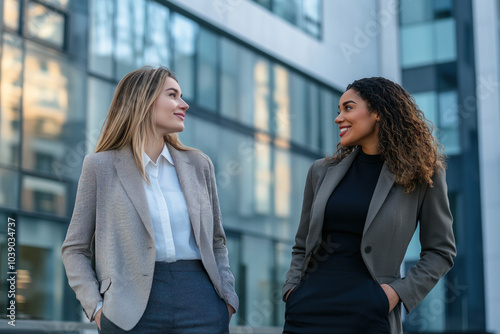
(263, 79)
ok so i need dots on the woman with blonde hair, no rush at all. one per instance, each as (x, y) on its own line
(145, 249)
(361, 208)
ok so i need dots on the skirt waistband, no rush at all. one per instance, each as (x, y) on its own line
(182, 265)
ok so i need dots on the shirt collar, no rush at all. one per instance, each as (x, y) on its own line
(164, 153)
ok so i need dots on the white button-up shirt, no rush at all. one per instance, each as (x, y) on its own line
(174, 238)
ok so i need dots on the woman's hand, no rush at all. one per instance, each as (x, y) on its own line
(97, 318)
(392, 296)
(231, 311)
(288, 293)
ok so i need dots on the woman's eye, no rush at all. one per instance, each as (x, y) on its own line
(338, 112)
(172, 94)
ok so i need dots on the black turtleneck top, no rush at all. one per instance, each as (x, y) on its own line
(346, 211)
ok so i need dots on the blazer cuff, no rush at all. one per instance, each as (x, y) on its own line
(406, 298)
(233, 300)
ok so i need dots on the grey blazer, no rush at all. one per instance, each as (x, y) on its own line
(111, 221)
(390, 224)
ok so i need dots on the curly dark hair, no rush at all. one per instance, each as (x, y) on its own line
(405, 136)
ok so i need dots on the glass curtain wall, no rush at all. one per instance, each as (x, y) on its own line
(42, 136)
(261, 122)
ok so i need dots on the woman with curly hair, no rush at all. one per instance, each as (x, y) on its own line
(361, 208)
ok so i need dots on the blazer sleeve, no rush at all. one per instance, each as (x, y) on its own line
(299, 249)
(219, 245)
(76, 249)
(437, 245)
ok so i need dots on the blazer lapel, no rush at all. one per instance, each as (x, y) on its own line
(131, 179)
(331, 180)
(384, 185)
(186, 173)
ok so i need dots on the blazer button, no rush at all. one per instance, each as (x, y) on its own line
(368, 249)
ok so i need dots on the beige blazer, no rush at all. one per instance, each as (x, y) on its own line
(390, 224)
(111, 221)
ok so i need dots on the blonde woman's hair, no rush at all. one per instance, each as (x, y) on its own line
(130, 116)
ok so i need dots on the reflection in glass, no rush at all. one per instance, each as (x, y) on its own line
(329, 130)
(261, 94)
(45, 24)
(262, 178)
(101, 37)
(157, 50)
(311, 18)
(244, 86)
(100, 94)
(257, 262)
(428, 43)
(417, 45)
(207, 70)
(282, 186)
(11, 14)
(312, 114)
(42, 195)
(58, 3)
(40, 281)
(9, 188)
(129, 43)
(298, 108)
(449, 122)
(10, 97)
(281, 101)
(53, 115)
(184, 32)
(287, 9)
(446, 49)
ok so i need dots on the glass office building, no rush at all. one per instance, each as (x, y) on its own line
(261, 121)
(262, 118)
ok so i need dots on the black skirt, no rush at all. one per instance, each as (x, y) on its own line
(337, 296)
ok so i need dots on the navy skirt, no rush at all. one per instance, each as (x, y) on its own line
(338, 296)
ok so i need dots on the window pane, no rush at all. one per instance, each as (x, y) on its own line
(53, 115)
(11, 92)
(184, 32)
(157, 51)
(329, 130)
(130, 24)
(282, 188)
(287, 9)
(11, 14)
(449, 122)
(45, 24)
(101, 37)
(312, 116)
(446, 49)
(427, 102)
(312, 17)
(40, 273)
(44, 196)
(258, 264)
(244, 86)
(100, 94)
(417, 45)
(9, 188)
(207, 70)
(415, 11)
(298, 115)
(281, 99)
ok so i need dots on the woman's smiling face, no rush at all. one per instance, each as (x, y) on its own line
(358, 126)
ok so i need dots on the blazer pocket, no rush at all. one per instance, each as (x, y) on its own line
(104, 285)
